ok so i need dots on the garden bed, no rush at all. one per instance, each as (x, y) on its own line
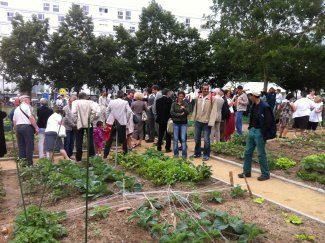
(295, 149)
(117, 228)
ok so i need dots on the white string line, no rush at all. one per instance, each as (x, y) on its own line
(115, 195)
(195, 213)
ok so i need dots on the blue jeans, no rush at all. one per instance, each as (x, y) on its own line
(255, 139)
(180, 131)
(199, 127)
(239, 122)
(69, 142)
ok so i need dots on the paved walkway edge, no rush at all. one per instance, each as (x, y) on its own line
(273, 175)
(279, 204)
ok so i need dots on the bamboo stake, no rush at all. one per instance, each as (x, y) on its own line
(87, 180)
(231, 177)
(18, 171)
(248, 187)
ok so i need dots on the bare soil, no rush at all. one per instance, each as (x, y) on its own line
(117, 228)
(295, 149)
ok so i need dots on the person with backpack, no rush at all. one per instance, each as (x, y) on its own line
(261, 128)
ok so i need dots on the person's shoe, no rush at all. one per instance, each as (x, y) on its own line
(195, 156)
(180, 148)
(168, 150)
(206, 158)
(263, 178)
(150, 141)
(242, 175)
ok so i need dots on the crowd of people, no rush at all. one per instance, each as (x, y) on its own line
(130, 118)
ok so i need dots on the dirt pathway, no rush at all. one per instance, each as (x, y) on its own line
(298, 198)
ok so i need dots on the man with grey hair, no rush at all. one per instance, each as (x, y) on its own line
(70, 127)
(25, 127)
(43, 114)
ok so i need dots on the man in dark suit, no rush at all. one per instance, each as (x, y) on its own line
(163, 106)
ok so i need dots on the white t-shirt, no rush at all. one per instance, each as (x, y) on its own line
(316, 116)
(231, 108)
(53, 123)
(303, 107)
(19, 116)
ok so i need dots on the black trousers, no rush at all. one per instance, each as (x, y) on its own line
(79, 141)
(151, 127)
(121, 133)
(25, 140)
(162, 131)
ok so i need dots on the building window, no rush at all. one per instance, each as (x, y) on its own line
(56, 8)
(103, 10)
(187, 22)
(132, 29)
(61, 19)
(120, 14)
(3, 3)
(85, 8)
(128, 15)
(46, 6)
(40, 16)
(10, 16)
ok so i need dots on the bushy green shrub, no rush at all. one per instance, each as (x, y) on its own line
(314, 163)
(163, 170)
(40, 226)
(285, 163)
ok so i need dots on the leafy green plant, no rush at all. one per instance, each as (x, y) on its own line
(215, 196)
(302, 237)
(146, 216)
(163, 170)
(293, 219)
(237, 191)
(40, 226)
(100, 212)
(285, 163)
(314, 163)
(153, 203)
(313, 168)
(129, 184)
(259, 200)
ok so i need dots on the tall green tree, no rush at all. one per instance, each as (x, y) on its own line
(69, 55)
(254, 30)
(158, 56)
(22, 52)
(115, 59)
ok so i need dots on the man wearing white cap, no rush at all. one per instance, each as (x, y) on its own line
(261, 128)
(25, 126)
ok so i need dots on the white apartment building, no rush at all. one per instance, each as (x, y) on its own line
(106, 15)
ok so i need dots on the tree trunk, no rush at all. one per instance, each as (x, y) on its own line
(25, 87)
(265, 81)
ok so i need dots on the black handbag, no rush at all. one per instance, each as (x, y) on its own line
(135, 119)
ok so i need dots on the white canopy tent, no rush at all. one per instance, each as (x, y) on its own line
(253, 86)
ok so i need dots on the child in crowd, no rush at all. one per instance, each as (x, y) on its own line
(99, 137)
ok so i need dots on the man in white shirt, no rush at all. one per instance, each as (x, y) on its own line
(302, 109)
(81, 110)
(119, 113)
(25, 127)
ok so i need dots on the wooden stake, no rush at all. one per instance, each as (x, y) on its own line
(231, 177)
(248, 187)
